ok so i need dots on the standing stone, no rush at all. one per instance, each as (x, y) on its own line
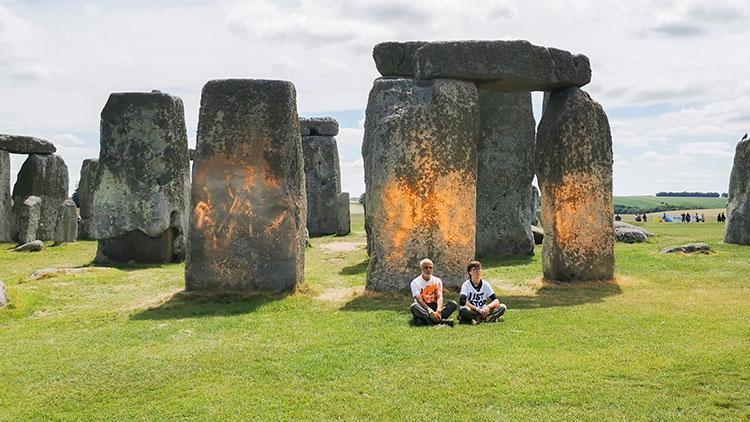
(248, 204)
(27, 219)
(737, 229)
(344, 225)
(18, 144)
(318, 126)
(6, 210)
(45, 176)
(66, 229)
(574, 168)
(396, 58)
(3, 295)
(323, 183)
(505, 169)
(140, 192)
(503, 66)
(89, 168)
(536, 204)
(419, 154)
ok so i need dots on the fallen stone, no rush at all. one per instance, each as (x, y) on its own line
(6, 204)
(538, 234)
(629, 233)
(505, 169)
(45, 176)
(18, 144)
(56, 272)
(27, 219)
(89, 168)
(34, 246)
(419, 155)
(322, 182)
(574, 169)
(688, 248)
(737, 228)
(67, 222)
(343, 226)
(503, 66)
(396, 58)
(318, 126)
(141, 189)
(247, 229)
(3, 295)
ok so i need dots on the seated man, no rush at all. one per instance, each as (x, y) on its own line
(475, 293)
(427, 290)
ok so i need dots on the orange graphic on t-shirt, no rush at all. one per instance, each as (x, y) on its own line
(430, 293)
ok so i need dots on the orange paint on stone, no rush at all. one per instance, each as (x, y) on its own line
(577, 214)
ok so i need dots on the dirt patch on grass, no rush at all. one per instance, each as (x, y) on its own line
(342, 246)
(339, 295)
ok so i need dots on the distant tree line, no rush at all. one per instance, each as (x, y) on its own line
(690, 194)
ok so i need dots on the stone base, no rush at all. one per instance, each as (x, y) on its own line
(137, 246)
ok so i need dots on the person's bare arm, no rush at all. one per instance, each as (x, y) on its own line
(434, 315)
(440, 300)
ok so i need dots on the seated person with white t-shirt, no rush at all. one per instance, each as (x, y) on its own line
(427, 290)
(475, 295)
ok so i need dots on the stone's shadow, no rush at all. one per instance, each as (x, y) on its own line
(356, 269)
(548, 295)
(184, 305)
(553, 294)
(127, 266)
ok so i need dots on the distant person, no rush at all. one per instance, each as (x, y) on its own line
(645, 219)
(718, 218)
(478, 300)
(697, 218)
(638, 218)
(664, 217)
(683, 217)
(428, 307)
(617, 217)
(687, 217)
(703, 218)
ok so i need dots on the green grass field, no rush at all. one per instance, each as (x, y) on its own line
(654, 204)
(668, 339)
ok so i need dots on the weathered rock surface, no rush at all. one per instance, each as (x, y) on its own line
(688, 248)
(3, 295)
(419, 154)
(538, 234)
(27, 219)
(18, 144)
(737, 229)
(6, 204)
(343, 226)
(248, 204)
(142, 183)
(629, 233)
(45, 176)
(318, 126)
(323, 183)
(505, 169)
(536, 204)
(89, 168)
(396, 58)
(191, 153)
(574, 169)
(66, 229)
(34, 246)
(503, 66)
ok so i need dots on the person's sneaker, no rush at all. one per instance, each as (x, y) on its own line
(448, 322)
(496, 314)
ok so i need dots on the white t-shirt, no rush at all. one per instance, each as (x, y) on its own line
(428, 289)
(477, 296)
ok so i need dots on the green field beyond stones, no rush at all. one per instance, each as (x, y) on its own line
(655, 204)
(668, 340)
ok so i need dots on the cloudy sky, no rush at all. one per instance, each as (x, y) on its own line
(671, 75)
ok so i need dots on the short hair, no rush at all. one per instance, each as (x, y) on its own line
(472, 265)
(425, 261)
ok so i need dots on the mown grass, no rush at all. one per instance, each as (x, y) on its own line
(649, 204)
(668, 339)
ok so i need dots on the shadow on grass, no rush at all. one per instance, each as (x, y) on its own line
(199, 305)
(548, 295)
(356, 269)
(127, 266)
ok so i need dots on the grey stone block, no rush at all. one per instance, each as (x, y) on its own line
(737, 229)
(18, 144)
(45, 176)
(27, 213)
(89, 168)
(248, 204)
(323, 183)
(6, 204)
(344, 225)
(66, 229)
(419, 154)
(318, 126)
(396, 58)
